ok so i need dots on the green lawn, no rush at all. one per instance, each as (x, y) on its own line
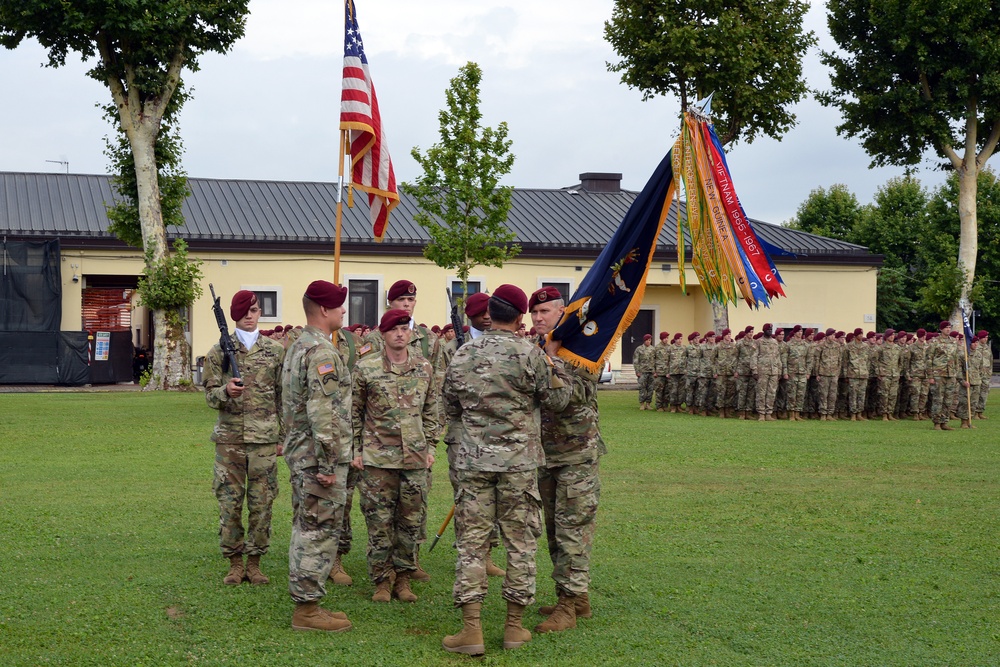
(720, 542)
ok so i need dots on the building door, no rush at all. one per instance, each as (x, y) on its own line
(633, 336)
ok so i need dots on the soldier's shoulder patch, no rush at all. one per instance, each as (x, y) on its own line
(364, 349)
(325, 368)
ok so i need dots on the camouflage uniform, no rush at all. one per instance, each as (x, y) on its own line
(678, 368)
(351, 349)
(967, 395)
(493, 391)
(829, 361)
(984, 357)
(570, 485)
(706, 369)
(395, 421)
(643, 361)
(858, 360)
(798, 365)
(767, 368)
(745, 385)
(661, 374)
(916, 375)
(940, 368)
(692, 364)
(245, 437)
(316, 402)
(887, 368)
(725, 369)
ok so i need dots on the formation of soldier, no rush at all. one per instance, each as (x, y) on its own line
(350, 411)
(799, 374)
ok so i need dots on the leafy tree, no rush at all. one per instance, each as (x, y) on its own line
(748, 52)
(834, 213)
(140, 50)
(462, 204)
(911, 77)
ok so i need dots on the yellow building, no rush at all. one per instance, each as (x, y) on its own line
(276, 237)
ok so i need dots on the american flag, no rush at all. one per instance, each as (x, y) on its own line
(371, 168)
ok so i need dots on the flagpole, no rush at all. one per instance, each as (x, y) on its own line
(340, 206)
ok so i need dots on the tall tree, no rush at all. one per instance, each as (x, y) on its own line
(140, 50)
(913, 77)
(462, 204)
(747, 52)
(834, 213)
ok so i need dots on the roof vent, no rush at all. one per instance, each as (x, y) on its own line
(593, 181)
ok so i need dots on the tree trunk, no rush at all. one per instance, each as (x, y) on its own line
(720, 317)
(968, 240)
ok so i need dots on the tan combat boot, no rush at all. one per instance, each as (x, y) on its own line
(946, 427)
(236, 571)
(338, 575)
(401, 589)
(310, 616)
(383, 591)
(491, 568)
(581, 603)
(254, 574)
(967, 424)
(419, 574)
(563, 617)
(469, 639)
(514, 634)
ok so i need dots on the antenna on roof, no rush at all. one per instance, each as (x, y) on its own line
(65, 163)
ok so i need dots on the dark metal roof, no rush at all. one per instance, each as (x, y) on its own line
(567, 221)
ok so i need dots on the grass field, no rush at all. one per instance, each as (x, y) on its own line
(719, 542)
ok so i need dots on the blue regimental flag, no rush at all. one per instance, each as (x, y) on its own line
(967, 328)
(610, 295)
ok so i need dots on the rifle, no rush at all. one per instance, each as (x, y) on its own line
(456, 319)
(228, 349)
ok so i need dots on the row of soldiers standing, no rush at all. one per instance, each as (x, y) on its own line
(802, 373)
(348, 412)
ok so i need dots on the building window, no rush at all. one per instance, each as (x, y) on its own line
(362, 299)
(474, 287)
(269, 300)
(561, 286)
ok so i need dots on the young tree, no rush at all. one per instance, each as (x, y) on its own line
(747, 52)
(140, 49)
(911, 77)
(463, 206)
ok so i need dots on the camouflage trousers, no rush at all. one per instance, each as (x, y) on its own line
(725, 391)
(919, 390)
(250, 472)
(660, 396)
(797, 383)
(827, 394)
(690, 390)
(512, 500)
(966, 400)
(675, 389)
(702, 396)
(888, 393)
(569, 499)
(983, 391)
(942, 396)
(767, 391)
(346, 534)
(746, 391)
(394, 503)
(856, 392)
(645, 387)
(317, 518)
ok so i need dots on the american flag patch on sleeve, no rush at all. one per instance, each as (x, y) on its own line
(323, 369)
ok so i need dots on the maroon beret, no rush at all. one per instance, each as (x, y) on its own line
(830, 331)
(465, 329)
(436, 329)
(809, 331)
(757, 335)
(326, 294)
(542, 295)
(692, 335)
(955, 334)
(943, 324)
(766, 327)
(819, 336)
(982, 333)
(739, 336)
(678, 335)
(859, 331)
(726, 331)
(476, 304)
(889, 332)
(850, 337)
(839, 334)
(779, 331)
(240, 306)
(401, 288)
(648, 337)
(664, 335)
(797, 327)
(921, 332)
(532, 332)
(748, 328)
(719, 339)
(870, 334)
(448, 327)
(513, 296)
(709, 333)
(393, 318)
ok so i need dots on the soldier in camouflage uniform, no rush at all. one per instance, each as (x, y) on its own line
(494, 452)
(887, 368)
(316, 408)
(677, 368)
(941, 376)
(745, 386)
(858, 360)
(984, 357)
(917, 376)
(643, 362)
(829, 361)
(692, 364)
(402, 295)
(706, 370)
(799, 362)
(725, 374)
(246, 439)
(661, 372)
(767, 367)
(395, 433)
(968, 381)
(569, 482)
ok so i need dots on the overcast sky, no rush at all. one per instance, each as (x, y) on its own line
(269, 109)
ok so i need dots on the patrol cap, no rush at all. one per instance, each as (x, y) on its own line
(476, 304)
(548, 293)
(241, 303)
(393, 318)
(513, 296)
(401, 288)
(326, 294)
